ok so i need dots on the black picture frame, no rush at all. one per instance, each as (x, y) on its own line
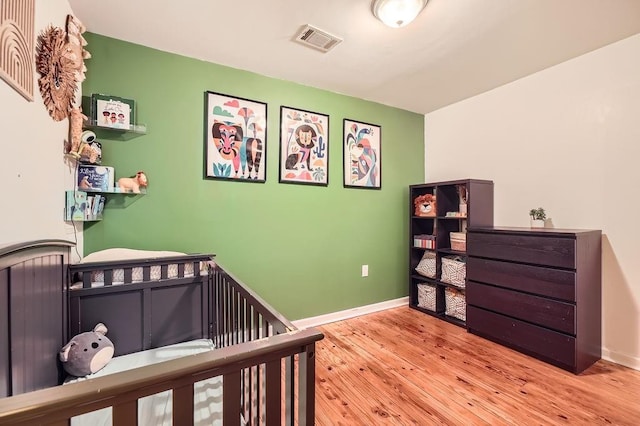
(304, 147)
(235, 138)
(361, 154)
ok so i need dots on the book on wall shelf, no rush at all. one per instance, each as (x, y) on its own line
(95, 178)
(80, 206)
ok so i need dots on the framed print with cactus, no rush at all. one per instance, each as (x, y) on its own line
(235, 138)
(304, 147)
(361, 148)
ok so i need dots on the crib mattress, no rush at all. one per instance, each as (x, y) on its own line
(157, 409)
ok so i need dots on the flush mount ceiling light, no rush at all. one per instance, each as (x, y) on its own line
(397, 13)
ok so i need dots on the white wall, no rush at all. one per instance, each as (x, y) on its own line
(33, 171)
(567, 139)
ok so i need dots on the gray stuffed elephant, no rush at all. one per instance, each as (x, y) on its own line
(87, 353)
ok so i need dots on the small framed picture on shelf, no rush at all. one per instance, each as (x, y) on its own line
(112, 111)
(362, 155)
(304, 146)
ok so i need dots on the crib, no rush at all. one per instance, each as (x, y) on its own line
(263, 365)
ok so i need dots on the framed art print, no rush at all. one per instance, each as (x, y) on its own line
(362, 155)
(235, 138)
(304, 147)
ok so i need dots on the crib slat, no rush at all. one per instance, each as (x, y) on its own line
(126, 413)
(164, 271)
(273, 392)
(231, 399)
(183, 405)
(236, 317)
(289, 388)
(306, 386)
(227, 313)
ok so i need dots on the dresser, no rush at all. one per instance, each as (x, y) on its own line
(537, 291)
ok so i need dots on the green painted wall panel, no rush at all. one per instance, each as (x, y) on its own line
(300, 247)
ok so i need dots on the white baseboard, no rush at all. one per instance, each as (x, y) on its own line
(622, 359)
(350, 313)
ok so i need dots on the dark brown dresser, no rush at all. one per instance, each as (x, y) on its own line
(537, 291)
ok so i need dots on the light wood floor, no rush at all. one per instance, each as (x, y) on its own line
(402, 367)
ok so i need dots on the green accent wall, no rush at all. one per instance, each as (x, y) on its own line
(300, 247)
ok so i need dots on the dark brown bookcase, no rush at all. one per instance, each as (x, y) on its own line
(479, 205)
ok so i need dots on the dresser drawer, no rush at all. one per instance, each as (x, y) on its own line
(551, 346)
(556, 283)
(540, 250)
(559, 316)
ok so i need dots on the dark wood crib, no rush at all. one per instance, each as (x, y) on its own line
(266, 364)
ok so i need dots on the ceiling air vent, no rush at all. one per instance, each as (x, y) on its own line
(316, 38)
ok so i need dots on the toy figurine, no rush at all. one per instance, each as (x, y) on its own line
(133, 183)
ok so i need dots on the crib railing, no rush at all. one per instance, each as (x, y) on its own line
(242, 316)
(267, 369)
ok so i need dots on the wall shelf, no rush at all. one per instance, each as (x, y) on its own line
(114, 133)
(117, 199)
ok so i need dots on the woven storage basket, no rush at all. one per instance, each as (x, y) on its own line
(455, 304)
(454, 271)
(427, 296)
(458, 241)
(427, 265)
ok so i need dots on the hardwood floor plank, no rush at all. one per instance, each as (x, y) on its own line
(361, 369)
(436, 375)
(504, 385)
(403, 367)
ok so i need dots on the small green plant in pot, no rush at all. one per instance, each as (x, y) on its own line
(538, 216)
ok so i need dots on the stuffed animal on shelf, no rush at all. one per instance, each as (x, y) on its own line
(425, 205)
(133, 183)
(87, 353)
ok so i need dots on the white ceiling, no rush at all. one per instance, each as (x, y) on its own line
(454, 50)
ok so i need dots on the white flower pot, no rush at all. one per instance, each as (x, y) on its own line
(537, 223)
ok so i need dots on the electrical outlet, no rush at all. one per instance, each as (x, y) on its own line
(365, 270)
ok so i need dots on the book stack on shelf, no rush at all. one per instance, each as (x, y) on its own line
(95, 178)
(80, 207)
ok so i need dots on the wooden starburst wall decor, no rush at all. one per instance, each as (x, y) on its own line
(57, 80)
(16, 45)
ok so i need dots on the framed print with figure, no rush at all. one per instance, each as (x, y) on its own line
(304, 147)
(235, 138)
(362, 155)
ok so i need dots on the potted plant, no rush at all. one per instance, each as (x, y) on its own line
(538, 216)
